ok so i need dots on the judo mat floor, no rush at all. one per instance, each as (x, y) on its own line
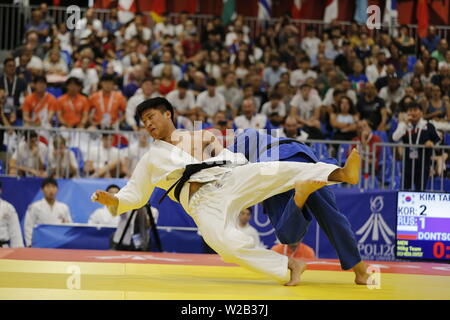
(31, 273)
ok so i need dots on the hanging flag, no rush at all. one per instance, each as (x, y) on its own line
(422, 18)
(296, 7)
(228, 12)
(127, 9)
(390, 16)
(361, 11)
(331, 11)
(264, 9)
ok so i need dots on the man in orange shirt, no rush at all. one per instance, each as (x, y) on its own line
(73, 107)
(107, 104)
(39, 107)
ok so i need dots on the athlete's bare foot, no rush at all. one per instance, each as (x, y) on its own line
(361, 275)
(304, 188)
(297, 267)
(350, 172)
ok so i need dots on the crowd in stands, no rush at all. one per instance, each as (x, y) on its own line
(340, 84)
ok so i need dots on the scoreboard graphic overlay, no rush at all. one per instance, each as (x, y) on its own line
(423, 225)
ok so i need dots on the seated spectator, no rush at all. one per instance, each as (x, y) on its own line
(392, 94)
(40, 106)
(182, 99)
(3, 122)
(87, 75)
(54, 64)
(274, 108)
(10, 232)
(378, 69)
(357, 78)
(221, 128)
(272, 74)
(298, 251)
(61, 160)
(299, 76)
(182, 122)
(210, 101)
(310, 42)
(292, 129)
(344, 120)
(164, 28)
(363, 50)
(145, 92)
(103, 161)
(416, 130)
(441, 50)
(102, 216)
(135, 151)
(45, 211)
(249, 117)
(244, 226)
(372, 108)
(38, 25)
(305, 107)
(137, 28)
(230, 91)
(405, 42)
(29, 157)
(73, 107)
(446, 63)
(88, 25)
(431, 41)
(15, 89)
(108, 105)
(168, 82)
(167, 60)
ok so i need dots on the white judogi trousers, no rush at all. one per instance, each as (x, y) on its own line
(216, 206)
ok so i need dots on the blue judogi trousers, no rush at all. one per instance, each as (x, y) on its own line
(289, 221)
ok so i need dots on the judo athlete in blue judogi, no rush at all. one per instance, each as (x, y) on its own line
(291, 222)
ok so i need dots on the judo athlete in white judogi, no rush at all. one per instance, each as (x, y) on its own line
(10, 233)
(214, 184)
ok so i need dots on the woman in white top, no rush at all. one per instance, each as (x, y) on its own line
(344, 120)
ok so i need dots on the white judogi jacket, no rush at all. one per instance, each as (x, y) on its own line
(40, 212)
(104, 217)
(161, 167)
(9, 225)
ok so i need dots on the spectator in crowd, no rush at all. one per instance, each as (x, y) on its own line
(112, 24)
(182, 99)
(244, 226)
(145, 92)
(367, 138)
(310, 42)
(45, 211)
(29, 157)
(108, 105)
(275, 109)
(102, 216)
(73, 108)
(431, 41)
(103, 161)
(87, 26)
(221, 129)
(378, 69)
(437, 108)
(299, 76)
(292, 129)
(135, 151)
(210, 101)
(54, 64)
(61, 160)
(164, 28)
(416, 130)
(230, 90)
(272, 74)
(441, 50)
(4, 121)
(344, 120)
(405, 42)
(40, 106)
(305, 107)
(137, 28)
(167, 81)
(392, 94)
(87, 75)
(37, 24)
(249, 117)
(10, 232)
(371, 107)
(15, 89)
(167, 60)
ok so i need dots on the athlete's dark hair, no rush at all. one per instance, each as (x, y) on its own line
(47, 181)
(112, 186)
(159, 103)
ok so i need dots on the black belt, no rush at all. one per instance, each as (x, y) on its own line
(190, 170)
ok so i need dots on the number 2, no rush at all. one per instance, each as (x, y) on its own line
(424, 208)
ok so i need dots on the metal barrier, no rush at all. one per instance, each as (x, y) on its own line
(105, 153)
(16, 17)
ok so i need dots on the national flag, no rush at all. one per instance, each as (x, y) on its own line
(331, 11)
(390, 16)
(422, 18)
(228, 12)
(127, 9)
(296, 8)
(361, 11)
(264, 9)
